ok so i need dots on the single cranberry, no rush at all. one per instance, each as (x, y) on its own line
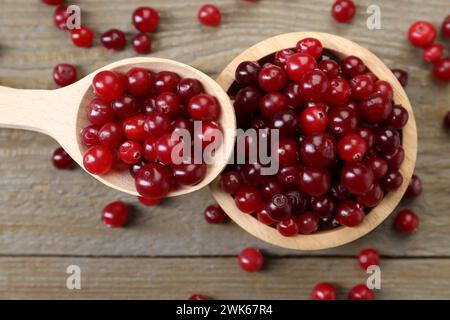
(64, 74)
(110, 134)
(272, 103)
(187, 88)
(272, 78)
(352, 148)
(339, 191)
(208, 133)
(214, 214)
(368, 257)
(181, 126)
(318, 149)
(165, 147)
(342, 120)
(445, 28)
(401, 75)
(281, 56)
(362, 86)
(293, 94)
(349, 213)
(357, 178)
(421, 34)
(142, 43)
(378, 166)
(130, 152)
(313, 85)
(398, 118)
(248, 199)
(99, 112)
(441, 70)
(288, 228)
(287, 152)
(311, 46)
(395, 159)
(324, 291)
(149, 202)
(384, 88)
(204, 107)
(433, 53)
(308, 223)
(157, 124)
(154, 181)
(89, 136)
(264, 218)
(252, 174)
(372, 197)
(198, 297)
(406, 221)
(139, 81)
(376, 108)
(298, 64)
(313, 120)
(133, 128)
(108, 85)
(115, 214)
(367, 134)
(285, 121)
(338, 92)
(209, 15)
(314, 181)
(247, 73)
(330, 68)
(323, 206)
(352, 66)
(169, 104)
(125, 106)
(247, 101)
(82, 37)
(166, 81)
(387, 139)
(189, 174)
(60, 16)
(279, 207)
(298, 200)
(288, 175)
(251, 260)
(52, 2)
(392, 181)
(149, 149)
(361, 292)
(414, 187)
(113, 39)
(98, 159)
(61, 159)
(343, 11)
(145, 19)
(271, 188)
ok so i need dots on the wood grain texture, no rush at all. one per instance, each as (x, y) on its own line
(49, 212)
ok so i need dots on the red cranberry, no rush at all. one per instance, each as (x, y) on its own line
(60, 16)
(398, 118)
(395, 159)
(154, 181)
(315, 181)
(343, 11)
(189, 174)
(324, 291)
(281, 56)
(372, 197)
(198, 297)
(330, 68)
(272, 103)
(61, 159)
(113, 39)
(349, 213)
(287, 152)
(318, 149)
(108, 85)
(214, 214)
(145, 19)
(231, 182)
(166, 81)
(164, 148)
(279, 207)
(339, 191)
(352, 148)
(149, 149)
(445, 28)
(64, 74)
(310, 46)
(441, 70)
(308, 223)
(421, 34)
(208, 133)
(285, 121)
(134, 169)
(361, 292)
(149, 202)
(357, 178)
(368, 257)
(387, 139)
(204, 107)
(313, 120)
(169, 104)
(406, 221)
(378, 166)
(352, 66)
(209, 15)
(414, 187)
(271, 78)
(247, 101)
(115, 214)
(313, 85)
(248, 199)
(130, 152)
(384, 88)
(298, 200)
(98, 159)
(264, 217)
(342, 120)
(298, 64)
(52, 2)
(100, 112)
(271, 188)
(375, 108)
(89, 136)
(139, 81)
(433, 53)
(367, 134)
(142, 43)
(392, 181)
(82, 37)
(187, 88)
(110, 134)
(125, 106)
(293, 94)
(362, 86)
(247, 73)
(288, 228)
(401, 75)
(157, 124)
(338, 92)
(251, 259)
(133, 128)
(288, 175)
(323, 206)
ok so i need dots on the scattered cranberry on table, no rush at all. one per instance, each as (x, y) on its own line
(421, 34)
(324, 291)
(401, 75)
(433, 53)
(145, 19)
(61, 159)
(113, 39)
(251, 259)
(406, 221)
(60, 16)
(115, 214)
(214, 214)
(441, 70)
(64, 74)
(209, 15)
(198, 297)
(142, 43)
(82, 37)
(414, 187)
(361, 292)
(343, 11)
(368, 257)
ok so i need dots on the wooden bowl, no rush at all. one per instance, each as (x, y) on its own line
(341, 235)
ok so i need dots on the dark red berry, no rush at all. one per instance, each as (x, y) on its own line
(62, 160)
(115, 214)
(441, 70)
(189, 174)
(433, 52)
(368, 257)
(272, 78)
(338, 92)
(64, 74)
(372, 197)
(279, 207)
(308, 223)
(330, 68)
(361, 292)
(60, 16)
(352, 66)
(323, 206)
(98, 159)
(343, 11)
(214, 214)
(349, 213)
(398, 118)
(142, 43)
(108, 85)
(248, 199)
(251, 259)
(310, 46)
(272, 103)
(247, 73)
(100, 112)
(318, 149)
(133, 128)
(82, 37)
(288, 228)
(387, 139)
(154, 181)
(406, 221)
(130, 152)
(315, 181)
(313, 85)
(342, 120)
(392, 181)
(157, 124)
(204, 107)
(324, 291)
(198, 297)
(298, 64)
(357, 178)
(313, 120)
(401, 75)
(281, 56)
(110, 134)
(231, 182)
(139, 81)
(166, 81)
(445, 28)
(414, 187)
(187, 88)
(375, 108)
(149, 202)
(378, 166)
(145, 19)
(89, 136)
(113, 39)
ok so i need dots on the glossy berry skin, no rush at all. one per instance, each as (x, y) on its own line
(169, 104)
(82, 37)
(293, 94)
(421, 34)
(61, 159)
(130, 152)
(125, 106)
(271, 188)
(395, 159)
(166, 81)
(198, 297)
(361, 292)
(139, 81)
(324, 291)
(134, 169)
(313, 85)
(271, 78)
(318, 149)
(142, 43)
(387, 139)
(357, 178)
(209, 15)
(287, 152)
(157, 124)
(248, 199)
(264, 217)
(349, 213)
(433, 53)
(145, 19)
(441, 70)
(372, 197)
(311, 46)
(113, 39)
(115, 214)
(110, 134)
(251, 260)
(288, 228)
(149, 202)
(308, 223)
(375, 108)
(187, 88)
(247, 73)
(367, 134)
(313, 120)
(445, 28)
(401, 75)
(330, 68)
(414, 187)
(285, 121)
(281, 56)
(133, 128)
(252, 174)
(352, 66)
(398, 118)
(214, 214)
(279, 207)
(392, 181)
(154, 181)
(189, 174)
(342, 120)
(406, 221)
(99, 112)
(272, 103)
(323, 206)
(368, 257)
(108, 85)
(287, 176)
(352, 148)
(362, 86)
(89, 136)
(60, 16)
(378, 166)
(314, 181)
(64, 74)
(343, 11)
(384, 88)
(209, 133)
(204, 107)
(338, 93)
(98, 159)
(298, 64)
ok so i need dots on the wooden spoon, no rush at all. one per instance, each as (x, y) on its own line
(342, 235)
(61, 114)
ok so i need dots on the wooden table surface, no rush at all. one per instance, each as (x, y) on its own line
(49, 219)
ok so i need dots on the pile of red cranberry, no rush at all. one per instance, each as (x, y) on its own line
(340, 143)
(133, 118)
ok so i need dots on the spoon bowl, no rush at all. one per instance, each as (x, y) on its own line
(61, 114)
(341, 47)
